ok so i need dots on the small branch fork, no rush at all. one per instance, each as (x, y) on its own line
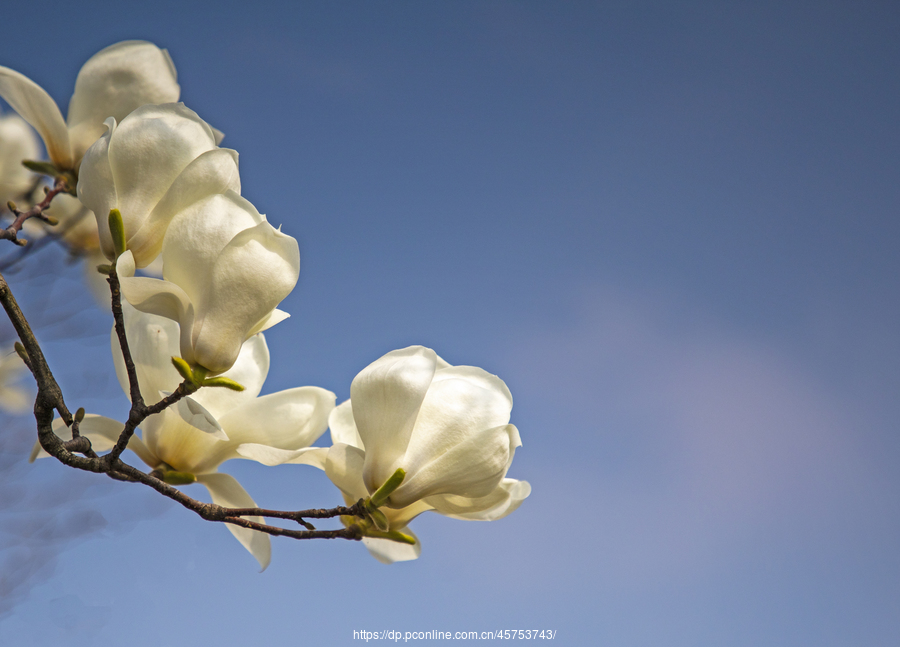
(77, 452)
(37, 211)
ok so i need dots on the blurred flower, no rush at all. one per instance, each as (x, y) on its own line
(17, 142)
(445, 426)
(112, 83)
(225, 269)
(14, 399)
(189, 441)
(159, 161)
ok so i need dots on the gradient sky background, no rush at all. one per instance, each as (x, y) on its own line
(670, 227)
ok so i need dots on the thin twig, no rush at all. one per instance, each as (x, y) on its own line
(37, 211)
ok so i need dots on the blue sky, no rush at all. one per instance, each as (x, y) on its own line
(670, 227)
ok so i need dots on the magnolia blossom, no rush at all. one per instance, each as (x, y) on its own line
(446, 426)
(159, 161)
(13, 398)
(17, 142)
(113, 82)
(192, 439)
(224, 270)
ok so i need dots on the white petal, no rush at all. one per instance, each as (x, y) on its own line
(343, 427)
(196, 415)
(148, 150)
(505, 498)
(114, 82)
(386, 397)
(471, 466)
(36, 107)
(213, 172)
(197, 236)
(226, 491)
(181, 445)
(272, 456)
(159, 297)
(249, 370)
(17, 142)
(153, 341)
(344, 465)
(274, 317)
(97, 188)
(388, 552)
(288, 419)
(262, 265)
(461, 443)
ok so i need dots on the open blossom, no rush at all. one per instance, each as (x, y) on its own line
(225, 269)
(17, 142)
(155, 163)
(446, 426)
(112, 83)
(208, 428)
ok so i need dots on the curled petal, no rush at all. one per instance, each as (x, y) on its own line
(505, 499)
(226, 491)
(272, 456)
(36, 107)
(262, 265)
(388, 552)
(196, 415)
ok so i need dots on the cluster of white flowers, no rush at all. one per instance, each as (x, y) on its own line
(417, 433)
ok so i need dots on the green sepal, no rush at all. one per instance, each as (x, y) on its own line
(11, 205)
(44, 168)
(178, 478)
(47, 168)
(105, 269)
(50, 220)
(183, 368)
(228, 383)
(379, 519)
(117, 231)
(387, 489)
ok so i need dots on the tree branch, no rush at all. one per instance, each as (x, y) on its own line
(50, 399)
(37, 211)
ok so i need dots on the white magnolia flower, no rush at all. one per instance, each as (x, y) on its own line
(14, 398)
(446, 426)
(159, 161)
(224, 270)
(112, 83)
(193, 438)
(17, 142)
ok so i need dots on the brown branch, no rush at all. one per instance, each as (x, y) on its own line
(50, 399)
(37, 211)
